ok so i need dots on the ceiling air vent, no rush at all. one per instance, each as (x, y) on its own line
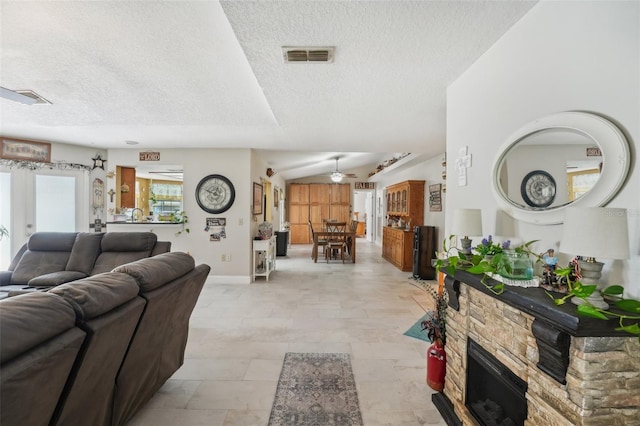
(39, 100)
(308, 54)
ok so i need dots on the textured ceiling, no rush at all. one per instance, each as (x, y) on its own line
(206, 74)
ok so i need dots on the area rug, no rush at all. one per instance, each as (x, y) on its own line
(316, 389)
(416, 330)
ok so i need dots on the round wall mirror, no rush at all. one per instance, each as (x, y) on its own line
(568, 158)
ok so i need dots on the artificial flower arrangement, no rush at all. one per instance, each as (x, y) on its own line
(489, 248)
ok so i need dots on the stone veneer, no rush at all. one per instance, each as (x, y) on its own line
(602, 380)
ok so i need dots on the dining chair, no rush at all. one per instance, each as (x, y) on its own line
(322, 242)
(336, 240)
(353, 225)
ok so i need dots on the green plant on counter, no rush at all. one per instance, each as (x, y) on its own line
(182, 218)
(478, 263)
(613, 293)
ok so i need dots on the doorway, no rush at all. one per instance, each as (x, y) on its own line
(364, 206)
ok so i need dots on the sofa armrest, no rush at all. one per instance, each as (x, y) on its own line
(56, 278)
(5, 277)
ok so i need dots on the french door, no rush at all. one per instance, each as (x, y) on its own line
(40, 200)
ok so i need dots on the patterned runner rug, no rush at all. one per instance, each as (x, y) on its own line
(316, 389)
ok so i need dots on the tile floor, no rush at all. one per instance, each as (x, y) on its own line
(240, 333)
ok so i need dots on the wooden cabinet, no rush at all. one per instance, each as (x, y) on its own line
(397, 247)
(340, 193)
(299, 213)
(299, 233)
(319, 193)
(299, 193)
(316, 202)
(405, 200)
(127, 187)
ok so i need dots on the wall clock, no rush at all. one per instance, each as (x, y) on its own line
(215, 194)
(538, 189)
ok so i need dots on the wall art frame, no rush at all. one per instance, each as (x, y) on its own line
(257, 198)
(25, 150)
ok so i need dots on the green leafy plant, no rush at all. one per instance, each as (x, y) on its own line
(435, 325)
(631, 307)
(453, 258)
(182, 218)
(490, 248)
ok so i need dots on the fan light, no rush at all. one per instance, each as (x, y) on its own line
(336, 177)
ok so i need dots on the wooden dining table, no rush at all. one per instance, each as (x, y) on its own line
(349, 235)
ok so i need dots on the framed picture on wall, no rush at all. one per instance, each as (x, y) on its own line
(257, 198)
(19, 149)
(276, 197)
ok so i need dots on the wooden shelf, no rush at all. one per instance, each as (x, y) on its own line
(407, 161)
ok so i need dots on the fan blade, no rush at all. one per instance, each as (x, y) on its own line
(16, 97)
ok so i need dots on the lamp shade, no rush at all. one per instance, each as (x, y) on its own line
(336, 177)
(595, 232)
(467, 222)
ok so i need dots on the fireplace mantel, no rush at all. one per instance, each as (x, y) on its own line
(537, 303)
(579, 370)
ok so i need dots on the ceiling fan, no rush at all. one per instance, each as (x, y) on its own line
(337, 175)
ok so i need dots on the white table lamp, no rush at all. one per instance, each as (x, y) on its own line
(466, 222)
(592, 232)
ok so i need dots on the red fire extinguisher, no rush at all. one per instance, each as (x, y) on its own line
(436, 365)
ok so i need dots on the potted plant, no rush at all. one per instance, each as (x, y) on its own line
(488, 258)
(434, 325)
(3, 232)
(613, 294)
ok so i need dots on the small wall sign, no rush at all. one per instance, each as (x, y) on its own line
(435, 197)
(594, 151)
(365, 185)
(149, 156)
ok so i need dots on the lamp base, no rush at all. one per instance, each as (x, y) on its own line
(591, 272)
(595, 299)
(466, 245)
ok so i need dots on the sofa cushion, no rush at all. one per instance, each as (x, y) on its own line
(40, 344)
(85, 252)
(129, 241)
(93, 296)
(55, 278)
(46, 252)
(30, 319)
(119, 248)
(156, 271)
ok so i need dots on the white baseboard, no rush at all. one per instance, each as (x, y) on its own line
(228, 279)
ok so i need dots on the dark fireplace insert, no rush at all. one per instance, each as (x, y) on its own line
(495, 395)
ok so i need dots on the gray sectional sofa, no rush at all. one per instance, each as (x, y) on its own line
(94, 350)
(53, 258)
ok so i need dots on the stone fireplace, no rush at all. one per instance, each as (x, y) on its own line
(495, 396)
(575, 370)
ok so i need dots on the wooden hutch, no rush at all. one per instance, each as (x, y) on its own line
(405, 201)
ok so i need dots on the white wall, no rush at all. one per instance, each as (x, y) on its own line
(560, 56)
(235, 164)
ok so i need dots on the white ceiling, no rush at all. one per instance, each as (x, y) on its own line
(211, 74)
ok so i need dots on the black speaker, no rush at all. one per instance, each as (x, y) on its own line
(424, 247)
